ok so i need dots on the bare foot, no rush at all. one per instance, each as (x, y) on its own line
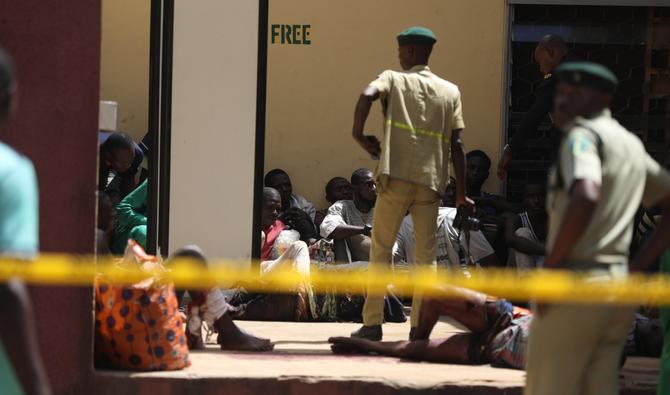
(245, 342)
(347, 345)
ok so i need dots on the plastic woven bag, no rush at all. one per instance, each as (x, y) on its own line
(139, 327)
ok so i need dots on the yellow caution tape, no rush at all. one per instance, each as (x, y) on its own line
(540, 285)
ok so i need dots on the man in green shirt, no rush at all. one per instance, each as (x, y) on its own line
(602, 175)
(20, 362)
(132, 219)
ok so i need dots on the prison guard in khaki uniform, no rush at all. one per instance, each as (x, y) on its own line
(420, 112)
(576, 349)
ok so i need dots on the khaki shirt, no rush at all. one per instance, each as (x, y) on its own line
(627, 176)
(420, 111)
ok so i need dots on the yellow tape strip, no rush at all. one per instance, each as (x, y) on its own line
(542, 285)
(425, 132)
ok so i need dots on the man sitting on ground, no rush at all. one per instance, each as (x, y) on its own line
(350, 219)
(279, 180)
(107, 221)
(489, 207)
(477, 172)
(453, 251)
(337, 189)
(120, 159)
(132, 219)
(498, 333)
(212, 308)
(526, 233)
(282, 250)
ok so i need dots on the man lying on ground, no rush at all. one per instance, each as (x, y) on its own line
(498, 333)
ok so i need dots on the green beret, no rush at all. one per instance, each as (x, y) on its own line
(589, 74)
(416, 35)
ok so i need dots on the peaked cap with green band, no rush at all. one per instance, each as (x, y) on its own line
(416, 35)
(589, 74)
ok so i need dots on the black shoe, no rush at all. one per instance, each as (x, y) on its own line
(412, 334)
(373, 333)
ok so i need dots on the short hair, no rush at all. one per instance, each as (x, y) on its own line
(272, 173)
(360, 174)
(554, 42)
(331, 184)
(479, 154)
(270, 193)
(6, 78)
(117, 141)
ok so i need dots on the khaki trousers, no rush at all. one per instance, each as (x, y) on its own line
(394, 200)
(576, 349)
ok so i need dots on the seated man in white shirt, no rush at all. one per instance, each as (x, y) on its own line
(452, 248)
(350, 220)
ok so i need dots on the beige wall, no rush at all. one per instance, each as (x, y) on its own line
(213, 126)
(125, 62)
(312, 89)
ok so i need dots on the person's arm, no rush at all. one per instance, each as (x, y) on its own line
(369, 143)
(542, 105)
(658, 242)
(130, 210)
(530, 247)
(458, 158)
(458, 152)
(334, 226)
(584, 197)
(657, 191)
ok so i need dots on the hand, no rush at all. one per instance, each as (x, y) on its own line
(465, 201)
(503, 164)
(371, 144)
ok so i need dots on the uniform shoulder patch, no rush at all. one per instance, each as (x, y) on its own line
(580, 141)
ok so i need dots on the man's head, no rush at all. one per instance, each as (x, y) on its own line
(478, 165)
(7, 88)
(271, 207)
(118, 152)
(280, 181)
(107, 218)
(365, 188)
(549, 52)
(584, 89)
(414, 46)
(338, 188)
(534, 198)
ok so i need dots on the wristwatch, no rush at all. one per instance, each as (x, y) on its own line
(367, 230)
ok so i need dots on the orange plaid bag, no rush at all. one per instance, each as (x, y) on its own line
(139, 327)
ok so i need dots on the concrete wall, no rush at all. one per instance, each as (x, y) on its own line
(312, 89)
(56, 46)
(214, 126)
(125, 62)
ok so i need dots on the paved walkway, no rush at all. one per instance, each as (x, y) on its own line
(302, 363)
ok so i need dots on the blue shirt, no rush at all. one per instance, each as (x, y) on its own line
(19, 206)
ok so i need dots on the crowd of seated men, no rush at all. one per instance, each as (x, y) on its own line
(510, 234)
